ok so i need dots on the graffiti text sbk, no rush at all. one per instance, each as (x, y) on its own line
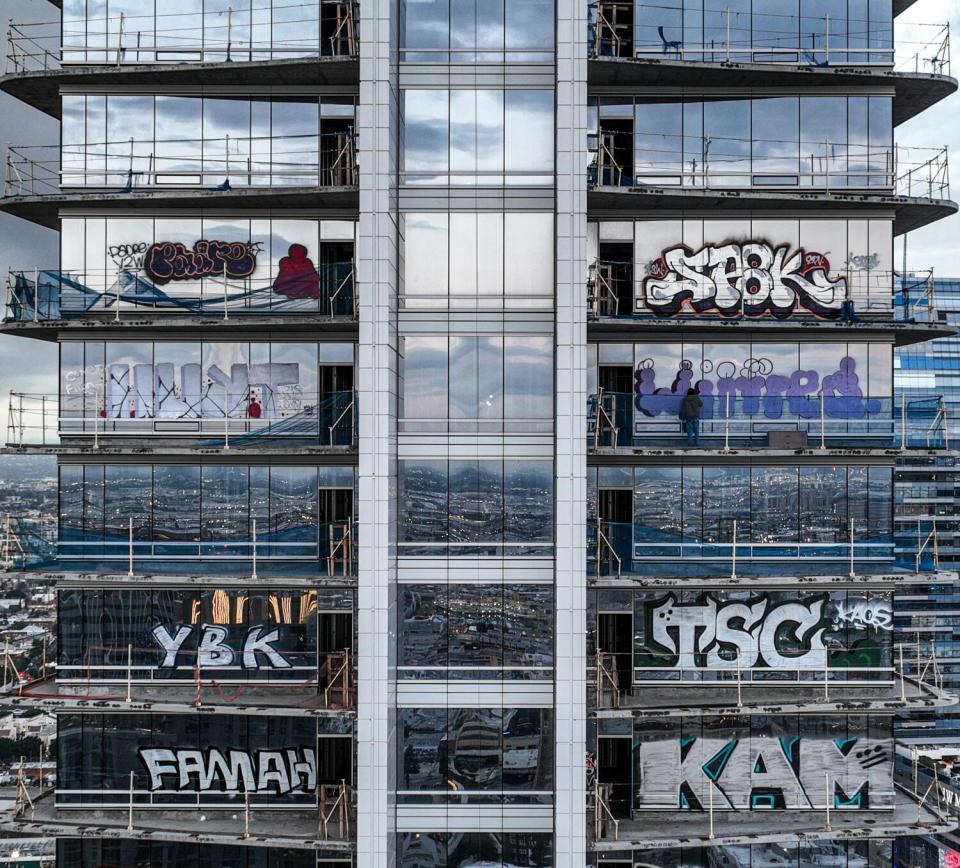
(751, 279)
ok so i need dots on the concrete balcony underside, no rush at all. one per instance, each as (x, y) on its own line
(293, 828)
(617, 203)
(629, 330)
(292, 699)
(661, 830)
(913, 92)
(890, 579)
(45, 210)
(709, 699)
(41, 88)
(265, 327)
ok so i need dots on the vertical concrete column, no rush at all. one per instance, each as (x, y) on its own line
(571, 462)
(377, 281)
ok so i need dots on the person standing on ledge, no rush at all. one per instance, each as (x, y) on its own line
(690, 415)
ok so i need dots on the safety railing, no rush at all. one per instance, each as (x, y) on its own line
(920, 777)
(609, 560)
(217, 163)
(335, 811)
(337, 673)
(300, 547)
(915, 298)
(835, 663)
(327, 674)
(619, 548)
(26, 543)
(253, 417)
(710, 163)
(924, 49)
(41, 294)
(866, 292)
(604, 820)
(929, 179)
(815, 420)
(330, 29)
(758, 37)
(606, 682)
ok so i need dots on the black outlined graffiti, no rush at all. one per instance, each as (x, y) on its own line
(277, 771)
(753, 277)
(213, 650)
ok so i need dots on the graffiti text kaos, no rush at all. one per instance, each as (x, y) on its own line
(171, 260)
(752, 278)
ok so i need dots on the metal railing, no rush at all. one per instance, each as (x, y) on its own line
(617, 548)
(748, 38)
(25, 543)
(906, 171)
(609, 561)
(219, 163)
(870, 291)
(620, 419)
(301, 547)
(42, 295)
(223, 36)
(323, 418)
(603, 817)
(335, 810)
(909, 667)
(607, 684)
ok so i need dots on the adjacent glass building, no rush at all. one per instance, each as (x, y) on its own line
(477, 431)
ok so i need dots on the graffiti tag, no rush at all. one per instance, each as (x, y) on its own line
(867, 614)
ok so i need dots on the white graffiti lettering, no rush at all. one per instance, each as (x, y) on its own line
(763, 773)
(212, 652)
(867, 614)
(278, 771)
(256, 643)
(170, 644)
(214, 648)
(754, 278)
(741, 634)
(189, 391)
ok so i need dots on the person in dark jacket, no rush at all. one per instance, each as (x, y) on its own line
(690, 415)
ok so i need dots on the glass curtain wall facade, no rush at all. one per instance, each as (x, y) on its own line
(478, 436)
(475, 721)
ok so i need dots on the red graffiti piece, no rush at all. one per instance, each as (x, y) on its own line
(952, 860)
(814, 262)
(296, 275)
(659, 269)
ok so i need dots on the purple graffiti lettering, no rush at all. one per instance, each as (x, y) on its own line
(171, 260)
(735, 393)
